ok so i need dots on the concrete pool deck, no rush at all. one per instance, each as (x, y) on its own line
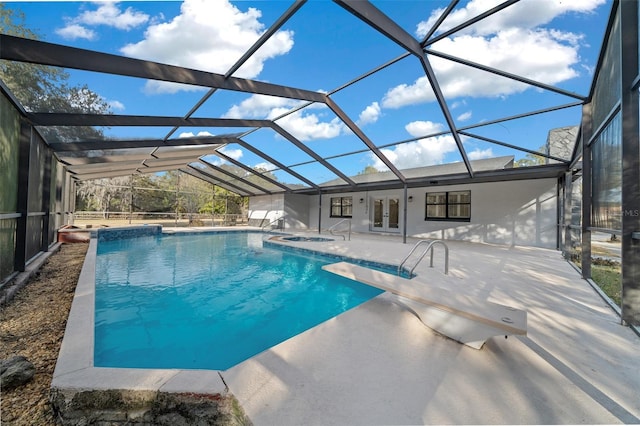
(378, 364)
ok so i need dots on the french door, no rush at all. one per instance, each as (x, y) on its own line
(385, 214)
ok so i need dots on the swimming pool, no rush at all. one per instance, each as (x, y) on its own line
(208, 301)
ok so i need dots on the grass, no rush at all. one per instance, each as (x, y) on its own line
(606, 273)
(608, 278)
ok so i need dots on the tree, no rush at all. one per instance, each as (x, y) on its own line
(531, 159)
(105, 195)
(172, 191)
(148, 196)
(41, 88)
(368, 170)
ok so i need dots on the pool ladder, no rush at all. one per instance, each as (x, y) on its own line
(278, 220)
(429, 248)
(332, 229)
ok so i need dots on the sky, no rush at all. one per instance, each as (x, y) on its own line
(321, 48)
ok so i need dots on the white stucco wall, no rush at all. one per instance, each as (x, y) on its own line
(293, 208)
(296, 208)
(513, 213)
(265, 208)
(520, 213)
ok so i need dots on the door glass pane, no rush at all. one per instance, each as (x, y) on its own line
(394, 213)
(378, 207)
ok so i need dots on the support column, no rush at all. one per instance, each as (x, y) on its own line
(130, 198)
(587, 133)
(24, 150)
(319, 212)
(46, 200)
(404, 212)
(630, 164)
(565, 229)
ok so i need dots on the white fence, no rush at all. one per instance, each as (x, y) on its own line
(166, 218)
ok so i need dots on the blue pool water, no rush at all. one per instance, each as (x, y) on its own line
(208, 301)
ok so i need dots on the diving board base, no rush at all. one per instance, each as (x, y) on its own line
(463, 330)
(465, 319)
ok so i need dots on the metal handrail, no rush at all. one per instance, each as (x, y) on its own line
(335, 225)
(429, 248)
(271, 223)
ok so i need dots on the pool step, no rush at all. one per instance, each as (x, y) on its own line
(468, 320)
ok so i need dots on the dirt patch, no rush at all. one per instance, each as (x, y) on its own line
(32, 324)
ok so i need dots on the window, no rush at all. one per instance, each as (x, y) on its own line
(454, 205)
(341, 206)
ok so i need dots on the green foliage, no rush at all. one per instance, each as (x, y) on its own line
(368, 170)
(41, 88)
(167, 192)
(104, 195)
(531, 159)
(609, 279)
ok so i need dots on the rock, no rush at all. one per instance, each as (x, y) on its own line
(15, 371)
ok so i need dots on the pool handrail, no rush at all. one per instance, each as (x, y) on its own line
(276, 220)
(333, 227)
(430, 245)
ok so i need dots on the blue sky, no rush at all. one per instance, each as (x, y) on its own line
(322, 47)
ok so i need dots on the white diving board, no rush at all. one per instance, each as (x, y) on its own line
(466, 319)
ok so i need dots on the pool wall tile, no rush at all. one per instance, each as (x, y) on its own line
(110, 234)
(277, 243)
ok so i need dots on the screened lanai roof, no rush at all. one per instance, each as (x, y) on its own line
(306, 97)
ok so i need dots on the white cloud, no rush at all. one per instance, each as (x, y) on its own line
(116, 105)
(214, 159)
(210, 36)
(421, 153)
(478, 154)
(465, 116)
(304, 125)
(499, 41)
(191, 134)
(155, 87)
(548, 60)
(524, 14)
(236, 153)
(404, 94)
(107, 14)
(422, 128)
(76, 31)
(370, 114)
(265, 166)
(425, 152)
(260, 106)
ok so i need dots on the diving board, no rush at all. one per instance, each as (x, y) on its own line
(466, 319)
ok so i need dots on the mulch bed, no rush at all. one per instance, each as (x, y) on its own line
(32, 324)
